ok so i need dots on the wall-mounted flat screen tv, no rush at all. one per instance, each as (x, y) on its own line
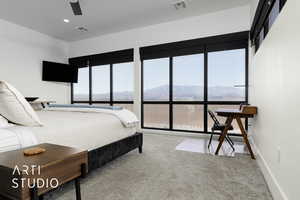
(59, 72)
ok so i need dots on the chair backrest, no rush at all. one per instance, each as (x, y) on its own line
(214, 118)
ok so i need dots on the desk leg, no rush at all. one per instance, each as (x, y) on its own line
(77, 188)
(224, 133)
(226, 122)
(245, 136)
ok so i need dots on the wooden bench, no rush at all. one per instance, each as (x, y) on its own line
(29, 177)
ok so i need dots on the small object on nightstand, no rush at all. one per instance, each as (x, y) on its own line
(31, 99)
(33, 151)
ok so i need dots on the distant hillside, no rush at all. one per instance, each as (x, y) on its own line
(195, 93)
(180, 93)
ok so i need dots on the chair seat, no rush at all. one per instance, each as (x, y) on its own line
(221, 127)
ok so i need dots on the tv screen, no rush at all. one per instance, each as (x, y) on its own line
(59, 72)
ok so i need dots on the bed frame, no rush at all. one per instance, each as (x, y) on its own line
(107, 153)
(99, 157)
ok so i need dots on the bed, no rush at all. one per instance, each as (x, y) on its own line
(102, 133)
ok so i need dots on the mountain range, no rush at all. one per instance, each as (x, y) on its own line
(187, 93)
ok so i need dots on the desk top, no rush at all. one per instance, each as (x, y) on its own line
(235, 113)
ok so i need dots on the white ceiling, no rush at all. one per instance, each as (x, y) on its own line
(102, 16)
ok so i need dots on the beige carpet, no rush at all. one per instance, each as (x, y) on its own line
(162, 173)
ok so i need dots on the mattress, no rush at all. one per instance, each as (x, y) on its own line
(87, 131)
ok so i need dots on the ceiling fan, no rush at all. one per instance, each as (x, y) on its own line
(75, 5)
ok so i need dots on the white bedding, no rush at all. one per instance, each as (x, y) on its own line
(16, 137)
(84, 130)
(126, 117)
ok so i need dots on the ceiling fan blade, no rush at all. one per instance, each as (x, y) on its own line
(76, 8)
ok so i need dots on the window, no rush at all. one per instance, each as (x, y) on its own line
(266, 13)
(107, 79)
(101, 83)
(81, 89)
(123, 80)
(188, 117)
(156, 116)
(274, 13)
(226, 75)
(110, 85)
(178, 90)
(156, 79)
(188, 78)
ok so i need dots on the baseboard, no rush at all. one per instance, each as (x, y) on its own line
(175, 133)
(275, 189)
(186, 134)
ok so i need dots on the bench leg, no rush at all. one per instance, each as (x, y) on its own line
(34, 193)
(140, 149)
(77, 188)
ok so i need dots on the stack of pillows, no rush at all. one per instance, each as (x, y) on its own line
(14, 108)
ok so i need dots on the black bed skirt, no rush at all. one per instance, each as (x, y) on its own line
(105, 154)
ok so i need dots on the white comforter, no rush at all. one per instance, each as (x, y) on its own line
(126, 117)
(15, 137)
(86, 130)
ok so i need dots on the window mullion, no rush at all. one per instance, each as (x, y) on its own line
(72, 93)
(205, 111)
(111, 85)
(171, 93)
(90, 82)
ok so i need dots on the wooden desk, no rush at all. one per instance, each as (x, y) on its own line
(231, 114)
(59, 162)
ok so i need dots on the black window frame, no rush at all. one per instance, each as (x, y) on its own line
(261, 20)
(111, 58)
(210, 44)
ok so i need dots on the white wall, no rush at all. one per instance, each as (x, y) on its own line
(21, 53)
(221, 22)
(227, 21)
(275, 86)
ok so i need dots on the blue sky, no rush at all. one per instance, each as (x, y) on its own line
(225, 68)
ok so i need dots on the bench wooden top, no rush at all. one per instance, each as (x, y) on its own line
(53, 154)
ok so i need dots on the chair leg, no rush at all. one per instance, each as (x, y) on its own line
(211, 136)
(228, 140)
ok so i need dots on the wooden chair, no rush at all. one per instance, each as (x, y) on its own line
(219, 127)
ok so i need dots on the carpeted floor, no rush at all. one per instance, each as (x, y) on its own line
(162, 173)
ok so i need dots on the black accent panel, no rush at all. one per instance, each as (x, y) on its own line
(103, 58)
(282, 3)
(79, 62)
(107, 153)
(261, 15)
(261, 19)
(195, 46)
(239, 44)
(76, 8)
(112, 57)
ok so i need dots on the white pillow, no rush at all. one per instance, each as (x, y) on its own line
(3, 122)
(15, 108)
